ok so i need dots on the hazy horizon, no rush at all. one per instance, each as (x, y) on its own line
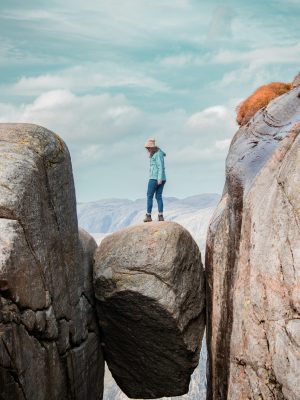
(143, 198)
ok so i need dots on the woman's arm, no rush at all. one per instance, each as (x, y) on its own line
(160, 167)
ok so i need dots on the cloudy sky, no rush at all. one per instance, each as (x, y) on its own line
(107, 74)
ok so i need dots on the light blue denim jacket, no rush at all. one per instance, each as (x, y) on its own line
(157, 166)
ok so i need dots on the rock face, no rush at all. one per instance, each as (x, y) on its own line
(253, 261)
(49, 336)
(149, 283)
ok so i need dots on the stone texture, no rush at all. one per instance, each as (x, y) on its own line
(49, 336)
(253, 261)
(149, 283)
(197, 388)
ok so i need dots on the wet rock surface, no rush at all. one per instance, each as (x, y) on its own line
(253, 261)
(49, 336)
(149, 285)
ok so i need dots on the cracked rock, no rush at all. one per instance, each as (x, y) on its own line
(149, 282)
(45, 274)
(253, 261)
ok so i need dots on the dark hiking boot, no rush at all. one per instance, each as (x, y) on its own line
(160, 217)
(147, 218)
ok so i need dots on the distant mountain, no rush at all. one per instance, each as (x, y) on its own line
(109, 215)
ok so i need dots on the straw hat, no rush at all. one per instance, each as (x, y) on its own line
(150, 143)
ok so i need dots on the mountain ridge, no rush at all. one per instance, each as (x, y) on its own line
(108, 215)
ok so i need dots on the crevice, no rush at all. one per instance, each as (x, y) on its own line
(64, 319)
(266, 115)
(15, 378)
(9, 218)
(282, 274)
(87, 299)
(49, 197)
(141, 271)
(54, 215)
(223, 335)
(79, 344)
(290, 336)
(292, 254)
(22, 309)
(32, 334)
(281, 185)
(43, 278)
(15, 375)
(194, 319)
(6, 187)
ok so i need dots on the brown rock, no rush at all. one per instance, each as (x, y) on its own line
(149, 283)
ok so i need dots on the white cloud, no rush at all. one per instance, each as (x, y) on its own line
(79, 119)
(92, 124)
(254, 67)
(129, 24)
(197, 152)
(261, 56)
(106, 136)
(211, 119)
(84, 78)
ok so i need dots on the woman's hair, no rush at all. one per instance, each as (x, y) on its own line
(155, 149)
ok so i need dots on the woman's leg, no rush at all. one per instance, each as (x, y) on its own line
(150, 193)
(158, 196)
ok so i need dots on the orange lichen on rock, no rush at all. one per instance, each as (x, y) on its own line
(259, 99)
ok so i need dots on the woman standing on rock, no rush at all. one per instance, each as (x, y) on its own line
(157, 179)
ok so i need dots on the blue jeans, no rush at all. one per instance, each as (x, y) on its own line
(153, 187)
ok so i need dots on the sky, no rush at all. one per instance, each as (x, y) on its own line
(107, 74)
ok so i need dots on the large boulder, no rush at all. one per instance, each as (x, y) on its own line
(253, 261)
(49, 337)
(149, 283)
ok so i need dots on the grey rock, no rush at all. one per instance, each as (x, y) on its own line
(86, 383)
(40, 321)
(23, 363)
(252, 261)
(88, 248)
(63, 342)
(79, 321)
(49, 332)
(149, 283)
(28, 319)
